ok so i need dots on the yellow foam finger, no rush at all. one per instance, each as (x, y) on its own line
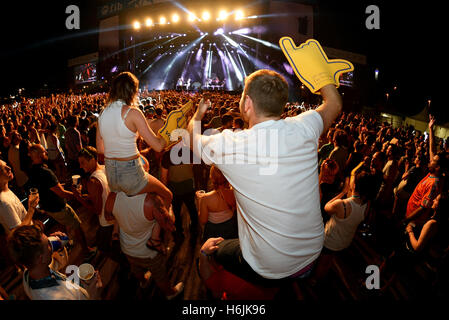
(311, 64)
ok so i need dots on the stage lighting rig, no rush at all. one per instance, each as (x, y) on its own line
(222, 15)
(175, 18)
(149, 22)
(136, 25)
(239, 15)
(205, 16)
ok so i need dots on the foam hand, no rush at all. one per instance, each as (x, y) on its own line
(176, 119)
(311, 65)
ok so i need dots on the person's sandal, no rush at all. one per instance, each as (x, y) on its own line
(157, 245)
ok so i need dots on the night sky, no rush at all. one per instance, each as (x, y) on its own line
(407, 50)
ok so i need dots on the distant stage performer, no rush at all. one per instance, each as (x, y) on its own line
(180, 83)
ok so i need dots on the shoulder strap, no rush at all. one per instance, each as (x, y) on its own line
(344, 206)
(230, 206)
(126, 113)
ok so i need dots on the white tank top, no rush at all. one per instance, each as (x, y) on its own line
(135, 229)
(338, 233)
(219, 216)
(119, 141)
(52, 149)
(100, 175)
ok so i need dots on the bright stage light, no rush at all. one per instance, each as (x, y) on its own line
(205, 16)
(242, 31)
(219, 31)
(222, 15)
(191, 17)
(239, 15)
(162, 20)
(175, 18)
(148, 22)
(136, 25)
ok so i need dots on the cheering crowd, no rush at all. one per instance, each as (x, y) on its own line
(334, 172)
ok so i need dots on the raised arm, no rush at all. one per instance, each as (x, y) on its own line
(196, 121)
(154, 141)
(331, 107)
(432, 150)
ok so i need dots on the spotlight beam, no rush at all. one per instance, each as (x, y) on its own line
(176, 57)
(206, 69)
(130, 47)
(71, 36)
(234, 65)
(210, 61)
(225, 67)
(235, 45)
(152, 64)
(241, 64)
(161, 44)
(265, 43)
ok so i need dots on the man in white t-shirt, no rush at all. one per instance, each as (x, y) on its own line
(273, 168)
(12, 211)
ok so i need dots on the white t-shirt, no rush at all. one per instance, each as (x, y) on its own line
(12, 211)
(276, 187)
(53, 288)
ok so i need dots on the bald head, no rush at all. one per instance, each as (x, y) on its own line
(38, 154)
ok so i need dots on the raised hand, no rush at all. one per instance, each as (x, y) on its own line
(311, 65)
(431, 121)
(203, 106)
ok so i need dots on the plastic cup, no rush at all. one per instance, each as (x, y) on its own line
(75, 179)
(199, 195)
(86, 271)
(34, 193)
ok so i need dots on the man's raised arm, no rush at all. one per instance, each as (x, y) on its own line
(331, 107)
(432, 150)
(196, 121)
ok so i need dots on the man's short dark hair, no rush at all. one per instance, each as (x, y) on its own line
(268, 91)
(223, 111)
(25, 245)
(88, 153)
(341, 138)
(365, 185)
(71, 120)
(227, 118)
(239, 122)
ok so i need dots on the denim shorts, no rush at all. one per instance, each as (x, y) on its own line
(127, 176)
